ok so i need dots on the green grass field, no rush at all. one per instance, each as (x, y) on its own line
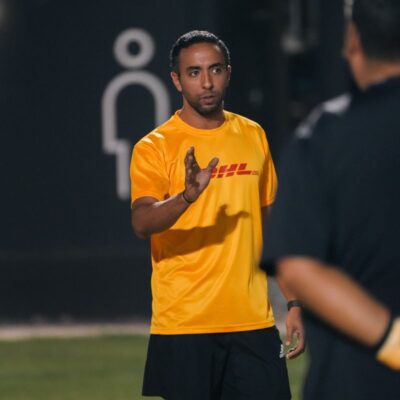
(96, 368)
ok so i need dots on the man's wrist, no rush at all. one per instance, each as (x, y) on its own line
(384, 337)
(186, 199)
(294, 303)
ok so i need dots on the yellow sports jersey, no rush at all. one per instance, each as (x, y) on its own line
(206, 276)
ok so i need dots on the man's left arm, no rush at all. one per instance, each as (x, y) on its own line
(295, 333)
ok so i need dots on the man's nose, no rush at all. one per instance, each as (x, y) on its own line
(207, 81)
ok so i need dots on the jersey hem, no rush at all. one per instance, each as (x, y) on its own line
(268, 202)
(208, 329)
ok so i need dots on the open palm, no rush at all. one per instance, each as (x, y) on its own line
(196, 178)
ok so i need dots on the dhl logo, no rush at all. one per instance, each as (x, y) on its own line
(232, 169)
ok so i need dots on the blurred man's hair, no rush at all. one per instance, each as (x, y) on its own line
(378, 23)
(194, 37)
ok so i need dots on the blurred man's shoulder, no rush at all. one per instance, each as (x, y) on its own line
(324, 114)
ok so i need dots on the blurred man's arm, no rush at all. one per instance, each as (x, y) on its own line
(341, 302)
(335, 297)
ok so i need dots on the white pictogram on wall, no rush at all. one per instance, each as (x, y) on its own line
(112, 144)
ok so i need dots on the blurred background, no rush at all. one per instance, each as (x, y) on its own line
(80, 83)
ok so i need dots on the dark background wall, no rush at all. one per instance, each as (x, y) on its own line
(66, 247)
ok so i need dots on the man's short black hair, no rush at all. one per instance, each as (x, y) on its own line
(378, 23)
(193, 37)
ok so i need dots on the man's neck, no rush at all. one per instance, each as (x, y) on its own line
(199, 121)
(376, 72)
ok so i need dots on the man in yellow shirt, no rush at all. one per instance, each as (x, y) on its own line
(213, 332)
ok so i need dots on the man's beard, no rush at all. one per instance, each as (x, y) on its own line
(206, 111)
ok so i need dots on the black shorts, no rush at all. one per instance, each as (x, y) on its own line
(217, 366)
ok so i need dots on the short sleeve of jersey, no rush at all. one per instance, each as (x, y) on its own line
(268, 178)
(148, 172)
(299, 223)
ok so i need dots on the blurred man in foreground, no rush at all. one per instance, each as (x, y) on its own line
(334, 230)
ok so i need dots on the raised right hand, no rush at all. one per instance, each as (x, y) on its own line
(196, 178)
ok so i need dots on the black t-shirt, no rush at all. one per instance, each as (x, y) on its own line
(339, 202)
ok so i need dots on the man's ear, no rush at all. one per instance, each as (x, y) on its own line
(354, 54)
(352, 43)
(176, 81)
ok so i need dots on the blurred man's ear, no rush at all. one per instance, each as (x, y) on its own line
(352, 44)
(176, 81)
(353, 53)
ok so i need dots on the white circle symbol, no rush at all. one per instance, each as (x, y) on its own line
(139, 37)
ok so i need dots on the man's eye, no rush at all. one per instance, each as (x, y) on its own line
(193, 73)
(217, 70)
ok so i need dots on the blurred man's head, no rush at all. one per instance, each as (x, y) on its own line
(372, 42)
